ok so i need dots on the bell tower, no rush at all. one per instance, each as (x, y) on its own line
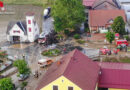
(30, 26)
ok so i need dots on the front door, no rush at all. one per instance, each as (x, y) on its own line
(16, 39)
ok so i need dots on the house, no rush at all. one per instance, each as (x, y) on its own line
(23, 31)
(74, 71)
(101, 20)
(104, 4)
(114, 76)
(88, 3)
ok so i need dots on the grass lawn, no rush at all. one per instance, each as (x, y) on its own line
(121, 59)
(33, 2)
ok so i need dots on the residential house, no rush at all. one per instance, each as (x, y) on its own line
(104, 4)
(101, 20)
(74, 71)
(23, 31)
(114, 76)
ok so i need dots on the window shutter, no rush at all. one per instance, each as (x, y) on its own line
(30, 30)
(29, 21)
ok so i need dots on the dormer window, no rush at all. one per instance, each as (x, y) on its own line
(29, 21)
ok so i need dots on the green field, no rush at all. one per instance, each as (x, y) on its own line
(33, 2)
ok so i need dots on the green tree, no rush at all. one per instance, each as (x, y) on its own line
(118, 25)
(6, 84)
(110, 36)
(22, 66)
(67, 14)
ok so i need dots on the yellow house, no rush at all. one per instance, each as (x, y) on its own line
(75, 71)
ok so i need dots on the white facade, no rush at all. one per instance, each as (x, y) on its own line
(28, 34)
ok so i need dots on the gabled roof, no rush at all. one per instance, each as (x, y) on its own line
(88, 3)
(108, 3)
(76, 67)
(115, 75)
(22, 25)
(101, 17)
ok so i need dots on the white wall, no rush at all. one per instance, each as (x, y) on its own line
(30, 34)
(23, 37)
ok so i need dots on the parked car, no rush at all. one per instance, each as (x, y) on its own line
(45, 62)
(22, 77)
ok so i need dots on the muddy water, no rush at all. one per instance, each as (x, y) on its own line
(20, 13)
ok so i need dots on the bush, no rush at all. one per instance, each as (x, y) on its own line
(52, 52)
(87, 30)
(59, 36)
(80, 41)
(127, 37)
(77, 36)
(3, 54)
(66, 32)
(22, 67)
(24, 84)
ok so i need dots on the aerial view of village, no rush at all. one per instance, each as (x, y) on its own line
(64, 44)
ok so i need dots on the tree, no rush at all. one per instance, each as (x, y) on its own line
(22, 66)
(110, 36)
(6, 84)
(118, 25)
(67, 14)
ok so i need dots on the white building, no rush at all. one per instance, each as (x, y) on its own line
(23, 31)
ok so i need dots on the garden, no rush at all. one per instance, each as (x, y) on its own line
(51, 52)
(4, 62)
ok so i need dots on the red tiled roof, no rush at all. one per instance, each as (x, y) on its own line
(108, 3)
(115, 75)
(76, 67)
(101, 17)
(88, 3)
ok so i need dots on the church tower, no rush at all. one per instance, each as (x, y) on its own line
(30, 26)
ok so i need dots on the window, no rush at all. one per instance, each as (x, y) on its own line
(16, 31)
(55, 87)
(30, 29)
(70, 88)
(29, 21)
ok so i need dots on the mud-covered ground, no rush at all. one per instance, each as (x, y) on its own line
(20, 13)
